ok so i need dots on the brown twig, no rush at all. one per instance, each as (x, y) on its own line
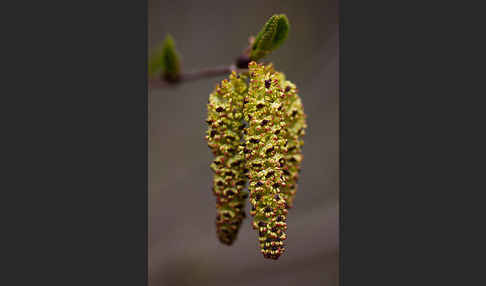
(195, 75)
(241, 62)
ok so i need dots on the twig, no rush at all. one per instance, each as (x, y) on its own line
(241, 62)
(195, 75)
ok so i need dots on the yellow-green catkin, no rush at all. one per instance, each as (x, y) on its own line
(225, 131)
(296, 126)
(265, 156)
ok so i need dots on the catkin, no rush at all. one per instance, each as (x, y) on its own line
(264, 151)
(296, 126)
(224, 136)
(256, 132)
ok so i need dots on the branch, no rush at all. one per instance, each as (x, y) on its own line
(167, 59)
(195, 75)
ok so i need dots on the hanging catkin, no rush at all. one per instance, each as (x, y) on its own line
(264, 154)
(294, 131)
(225, 131)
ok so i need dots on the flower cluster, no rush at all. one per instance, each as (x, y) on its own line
(255, 132)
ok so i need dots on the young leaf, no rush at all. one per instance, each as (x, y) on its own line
(272, 35)
(165, 60)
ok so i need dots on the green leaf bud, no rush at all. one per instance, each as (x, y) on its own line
(165, 59)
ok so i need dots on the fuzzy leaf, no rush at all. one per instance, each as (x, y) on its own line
(272, 35)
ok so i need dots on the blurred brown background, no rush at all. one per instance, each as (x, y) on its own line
(183, 248)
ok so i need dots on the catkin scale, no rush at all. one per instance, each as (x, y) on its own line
(225, 131)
